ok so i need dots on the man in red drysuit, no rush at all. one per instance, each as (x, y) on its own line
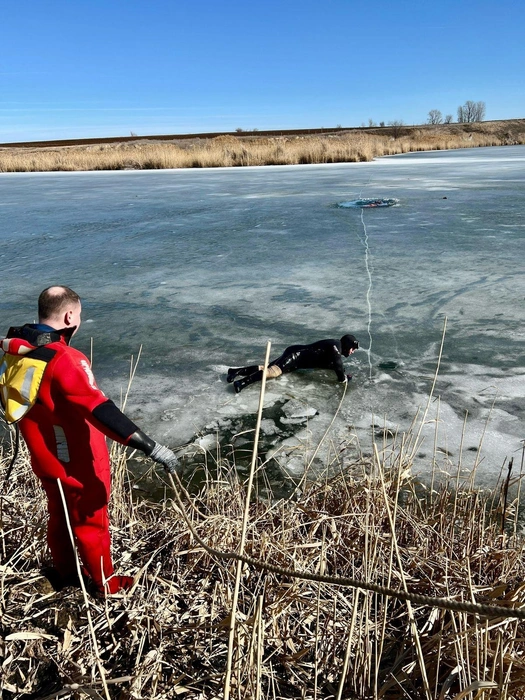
(64, 418)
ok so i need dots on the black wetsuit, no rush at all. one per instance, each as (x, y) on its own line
(324, 354)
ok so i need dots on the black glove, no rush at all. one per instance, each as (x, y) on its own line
(166, 457)
(348, 377)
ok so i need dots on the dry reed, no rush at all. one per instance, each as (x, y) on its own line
(233, 151)
(292, 638)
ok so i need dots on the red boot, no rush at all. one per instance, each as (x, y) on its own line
(115, 584)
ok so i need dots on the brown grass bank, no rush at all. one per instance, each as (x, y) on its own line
(168, 637)
(228, 150)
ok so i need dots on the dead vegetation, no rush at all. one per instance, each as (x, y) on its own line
(169, 636)
(339, 146)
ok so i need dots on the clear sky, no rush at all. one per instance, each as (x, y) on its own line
(90, 68)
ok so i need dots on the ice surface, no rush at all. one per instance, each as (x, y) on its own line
(201, 268)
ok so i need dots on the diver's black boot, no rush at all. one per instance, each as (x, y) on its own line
(232, 373)
(240, 384)
(243, 371)
(250, 379)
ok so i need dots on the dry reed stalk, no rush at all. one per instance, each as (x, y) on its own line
(119, 457)
(518, 495)
(398, 473)
(411, 618)
(346, 659)
(84, 593)
(430, 393)
(317, 637)
(458, 471)
(246, 515)
(259, 627)
(434, 460)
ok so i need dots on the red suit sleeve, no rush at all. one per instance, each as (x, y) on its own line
(76, 383)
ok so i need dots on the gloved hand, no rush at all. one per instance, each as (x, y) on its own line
(348, 377)
(166, 457)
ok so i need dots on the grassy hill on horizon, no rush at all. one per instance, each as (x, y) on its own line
(243, 148)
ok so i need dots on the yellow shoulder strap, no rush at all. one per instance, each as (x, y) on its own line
(20, 379)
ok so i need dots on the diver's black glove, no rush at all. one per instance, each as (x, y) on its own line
(348, 377)
(166, 457)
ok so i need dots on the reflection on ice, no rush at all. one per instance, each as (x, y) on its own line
(202, 268)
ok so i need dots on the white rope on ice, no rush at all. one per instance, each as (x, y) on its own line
(364, 242)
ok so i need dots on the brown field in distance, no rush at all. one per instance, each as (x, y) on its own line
(293, 147)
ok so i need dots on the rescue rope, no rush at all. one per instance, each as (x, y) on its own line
(344, 581)
(364, 242)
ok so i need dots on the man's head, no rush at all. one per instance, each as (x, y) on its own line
(349, 344)
(59, 307)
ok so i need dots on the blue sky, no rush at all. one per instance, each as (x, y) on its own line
(74, 69)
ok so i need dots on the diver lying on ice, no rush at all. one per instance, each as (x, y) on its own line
(324, 354)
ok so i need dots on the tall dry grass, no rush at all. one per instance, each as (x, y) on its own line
(232, 151)
(293, 638)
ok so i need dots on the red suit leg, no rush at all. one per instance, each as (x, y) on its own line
(58, 538)
(90, 527)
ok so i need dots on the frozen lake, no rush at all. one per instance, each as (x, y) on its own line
(202, 267)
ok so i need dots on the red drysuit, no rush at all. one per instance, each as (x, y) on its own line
(65, 432)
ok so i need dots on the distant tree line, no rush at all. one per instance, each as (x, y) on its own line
(435, 117)
(469, 112)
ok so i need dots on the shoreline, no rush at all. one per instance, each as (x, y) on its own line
(250, 149)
